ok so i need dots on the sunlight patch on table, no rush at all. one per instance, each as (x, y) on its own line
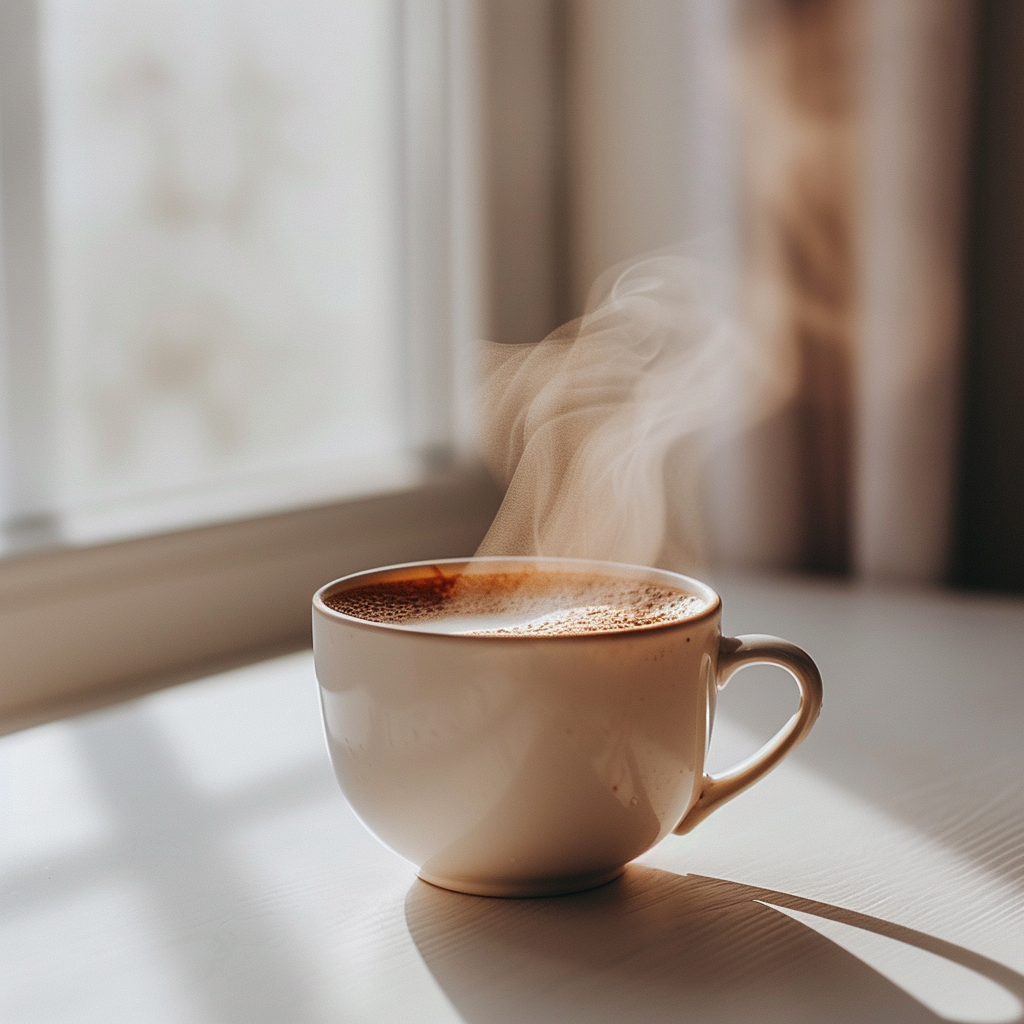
(244, 727)
(48, 808)
(954, 992)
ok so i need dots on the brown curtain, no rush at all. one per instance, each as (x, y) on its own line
(800, 206)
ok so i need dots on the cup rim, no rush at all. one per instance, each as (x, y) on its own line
(701, 589)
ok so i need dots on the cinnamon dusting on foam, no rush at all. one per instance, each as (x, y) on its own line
(549, 603)
(396, 601)
(599, 618)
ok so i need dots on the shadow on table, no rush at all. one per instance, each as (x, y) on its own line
(656, 946)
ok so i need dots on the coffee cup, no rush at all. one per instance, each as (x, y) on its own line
(527, 726)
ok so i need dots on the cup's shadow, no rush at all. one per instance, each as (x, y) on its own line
(656, 946)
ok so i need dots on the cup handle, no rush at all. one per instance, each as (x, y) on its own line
(735, 653)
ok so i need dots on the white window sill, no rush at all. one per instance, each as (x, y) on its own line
(81, 627)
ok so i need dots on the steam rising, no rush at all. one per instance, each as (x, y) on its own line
(582, 426)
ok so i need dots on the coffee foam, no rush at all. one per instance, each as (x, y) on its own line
(530, 603)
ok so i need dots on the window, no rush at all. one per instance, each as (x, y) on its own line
(222, 302)
(235, 283)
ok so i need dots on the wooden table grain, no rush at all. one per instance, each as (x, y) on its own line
(187, 857)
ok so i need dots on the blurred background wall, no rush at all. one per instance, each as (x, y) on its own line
(838, 160)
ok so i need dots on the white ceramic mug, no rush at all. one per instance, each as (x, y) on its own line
(535, 765)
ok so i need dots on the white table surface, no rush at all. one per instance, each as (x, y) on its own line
(188, 856)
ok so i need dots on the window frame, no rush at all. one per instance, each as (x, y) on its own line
(85, 626)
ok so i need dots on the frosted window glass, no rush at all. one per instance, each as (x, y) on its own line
(223, 201)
